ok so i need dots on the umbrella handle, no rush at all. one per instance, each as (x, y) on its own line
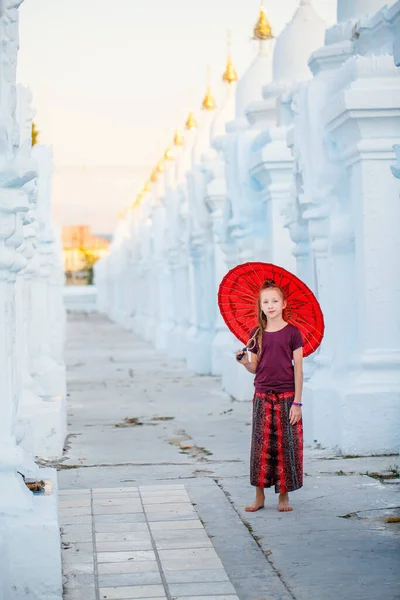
(240, 356)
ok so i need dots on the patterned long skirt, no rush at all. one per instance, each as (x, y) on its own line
(276, 445)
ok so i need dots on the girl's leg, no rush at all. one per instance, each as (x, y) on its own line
(290, 455)
(261, 465)
(259, 501)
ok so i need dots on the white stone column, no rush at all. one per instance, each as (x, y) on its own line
(29, 530)
(364, 120)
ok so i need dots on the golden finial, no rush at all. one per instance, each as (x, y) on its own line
(191, 122)
(178, 138)
(208, 102)
(160, 167)
(168, 154)
(35, 134)
(230, 74)
(262, 29)
(154, 175)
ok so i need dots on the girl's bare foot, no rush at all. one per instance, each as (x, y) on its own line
(283, 505)
(259, 502)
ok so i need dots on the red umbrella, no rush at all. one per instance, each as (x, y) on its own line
(238, 297)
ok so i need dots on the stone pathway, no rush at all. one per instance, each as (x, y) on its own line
(136, 543)
(129, 407)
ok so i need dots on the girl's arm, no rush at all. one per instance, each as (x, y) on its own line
(295, 411)
(298, 374)
(251, 365)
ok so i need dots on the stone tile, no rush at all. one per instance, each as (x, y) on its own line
(96, 491)
(209, 598)
(118, 518)
(71, 557)
(81, 503)
(129, 579)
(162, 493)
(77, 568)
(73, 533)
(107, 501)
(194, 576)
(205, 589)
(161, 488)
(77, 511)
(130, 592)
(120, 527)
(122, 546)
(145, 566)
(176, 525)
(178, 499)
(121, 495)
(83, 593)
(181, 543)
(80, 580)
(183, 507)
(75, 521)
(192, 564)
(123, 509)
(122, 536)
(181, 534)
(199, 553)
(74, 492)
(172, 516)
(136, 555)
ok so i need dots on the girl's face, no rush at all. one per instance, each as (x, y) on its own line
(272, 303)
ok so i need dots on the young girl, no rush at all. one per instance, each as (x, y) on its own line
(277, 434)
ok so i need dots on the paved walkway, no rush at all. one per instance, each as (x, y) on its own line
(138, 542)
(155, 480)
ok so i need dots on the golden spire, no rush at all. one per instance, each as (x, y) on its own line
(191, 122)
(160, 166)
(147, 186)
(168, 154)
(154, 175)
(35, 134)
(178, 138)
(230, 74)
(262, 29)
(208, 102)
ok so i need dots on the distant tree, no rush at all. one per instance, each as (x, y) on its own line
(89, 258)
(35, 134)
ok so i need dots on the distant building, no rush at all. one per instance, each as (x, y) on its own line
(81, 249)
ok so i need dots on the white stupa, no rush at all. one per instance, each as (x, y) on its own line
(304, 34)
(260, 71)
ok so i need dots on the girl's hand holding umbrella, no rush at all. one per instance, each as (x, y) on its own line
(241, 356)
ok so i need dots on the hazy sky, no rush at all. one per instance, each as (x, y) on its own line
(111, 79)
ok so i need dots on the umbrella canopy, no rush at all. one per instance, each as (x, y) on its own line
(238, 297)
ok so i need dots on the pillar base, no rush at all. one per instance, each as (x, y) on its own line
(198, 351)
(236, 381)
(30, 548)
(49, 427)
(177, 343)
(352, 413)
(50, 376)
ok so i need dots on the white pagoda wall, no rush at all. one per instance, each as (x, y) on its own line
(306, 176)
(32, 372)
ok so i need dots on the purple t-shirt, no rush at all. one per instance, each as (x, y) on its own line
(275, 370)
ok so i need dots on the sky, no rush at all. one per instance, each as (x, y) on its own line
(112, 79)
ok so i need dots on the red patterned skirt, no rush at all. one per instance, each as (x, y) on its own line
(276, 445)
